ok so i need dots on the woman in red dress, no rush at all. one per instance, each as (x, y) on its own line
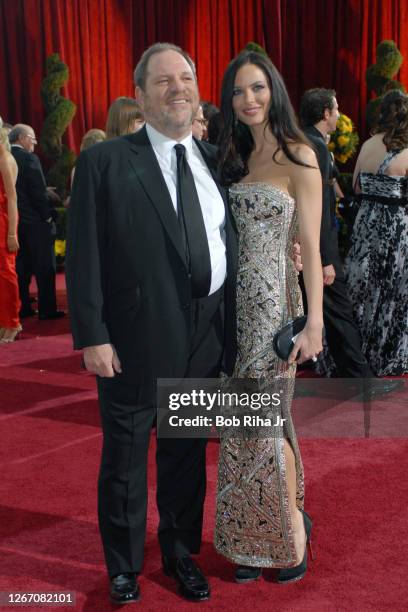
(9, 297)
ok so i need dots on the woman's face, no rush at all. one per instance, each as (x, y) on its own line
(136, 125)
(251, 97)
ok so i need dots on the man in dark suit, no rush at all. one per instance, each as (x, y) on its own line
(151, 260)
(36, 228)
(318, 115)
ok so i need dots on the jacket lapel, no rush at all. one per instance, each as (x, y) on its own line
(144, 163)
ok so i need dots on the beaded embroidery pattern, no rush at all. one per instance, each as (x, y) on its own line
(253, 522)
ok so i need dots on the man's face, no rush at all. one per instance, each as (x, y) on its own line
(28, 140)
(199, 124)
(170, 99)
(332, 116)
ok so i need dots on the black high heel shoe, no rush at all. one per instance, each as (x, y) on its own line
(245, 573)
(291, 574)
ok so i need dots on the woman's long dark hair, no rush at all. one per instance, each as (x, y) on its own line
(235, 141)
(393, 120)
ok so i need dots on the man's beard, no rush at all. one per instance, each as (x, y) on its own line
(168, 121)
(172, 122)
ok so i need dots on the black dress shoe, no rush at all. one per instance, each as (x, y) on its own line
(124, 589)
(24, 314)
(244, 573)
(192, 583)
(376, 387)
(58, 314)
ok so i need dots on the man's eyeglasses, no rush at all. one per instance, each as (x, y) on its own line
(32, 138)
(202, 122)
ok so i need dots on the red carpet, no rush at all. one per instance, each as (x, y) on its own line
(357, 493)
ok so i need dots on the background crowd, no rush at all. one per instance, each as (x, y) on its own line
(365, 301)
(188, 271)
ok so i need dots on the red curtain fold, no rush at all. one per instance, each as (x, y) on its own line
(313, 42)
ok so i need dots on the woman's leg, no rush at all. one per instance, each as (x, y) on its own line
(297, 518)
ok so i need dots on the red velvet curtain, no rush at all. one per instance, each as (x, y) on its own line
(326, 43)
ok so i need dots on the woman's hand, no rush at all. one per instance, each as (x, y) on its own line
(12, 244)
(308, 343)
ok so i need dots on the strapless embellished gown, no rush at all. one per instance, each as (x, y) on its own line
(253, 521)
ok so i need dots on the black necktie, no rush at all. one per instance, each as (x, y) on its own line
(192, 227)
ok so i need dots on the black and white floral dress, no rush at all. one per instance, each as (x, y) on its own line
(377, 270)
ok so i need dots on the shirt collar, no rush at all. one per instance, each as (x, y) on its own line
(164, 145)
(317, 132)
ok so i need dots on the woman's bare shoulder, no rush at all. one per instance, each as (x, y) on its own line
(304, 153)
(374, 142)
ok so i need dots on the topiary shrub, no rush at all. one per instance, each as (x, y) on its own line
(253, 46)
(59, 114)
(379, 76)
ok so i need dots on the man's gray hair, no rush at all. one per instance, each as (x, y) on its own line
(16, 132)
(140, 73)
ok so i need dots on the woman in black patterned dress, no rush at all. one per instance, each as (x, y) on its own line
(377, 264)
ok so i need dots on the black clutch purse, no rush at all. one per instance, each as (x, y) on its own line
(284, 339)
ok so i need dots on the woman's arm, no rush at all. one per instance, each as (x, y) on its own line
(307, 184)
(8, 169)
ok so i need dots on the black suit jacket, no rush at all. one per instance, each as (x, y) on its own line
(127, 279)
(329, 248)
(32, 200)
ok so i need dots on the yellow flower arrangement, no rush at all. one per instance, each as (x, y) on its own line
(344, 141)
(59, 247)
(342, 158)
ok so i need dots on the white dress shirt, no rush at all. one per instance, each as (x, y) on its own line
(211, 202)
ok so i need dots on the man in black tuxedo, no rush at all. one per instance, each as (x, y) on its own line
(318, 115)
(151, 266)
(36, 227)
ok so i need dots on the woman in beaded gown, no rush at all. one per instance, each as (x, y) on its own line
(275, 196)
(377, 263)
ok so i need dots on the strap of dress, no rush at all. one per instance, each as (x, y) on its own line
(387, 160)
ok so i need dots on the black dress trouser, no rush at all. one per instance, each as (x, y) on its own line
(36, 256)
(127, 415)
(342, 334)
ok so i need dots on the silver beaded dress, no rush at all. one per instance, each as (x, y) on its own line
(253, 521)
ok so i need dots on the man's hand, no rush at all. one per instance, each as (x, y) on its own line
(296, 256)
(329, 274)
(53, 195)
(102, 360)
